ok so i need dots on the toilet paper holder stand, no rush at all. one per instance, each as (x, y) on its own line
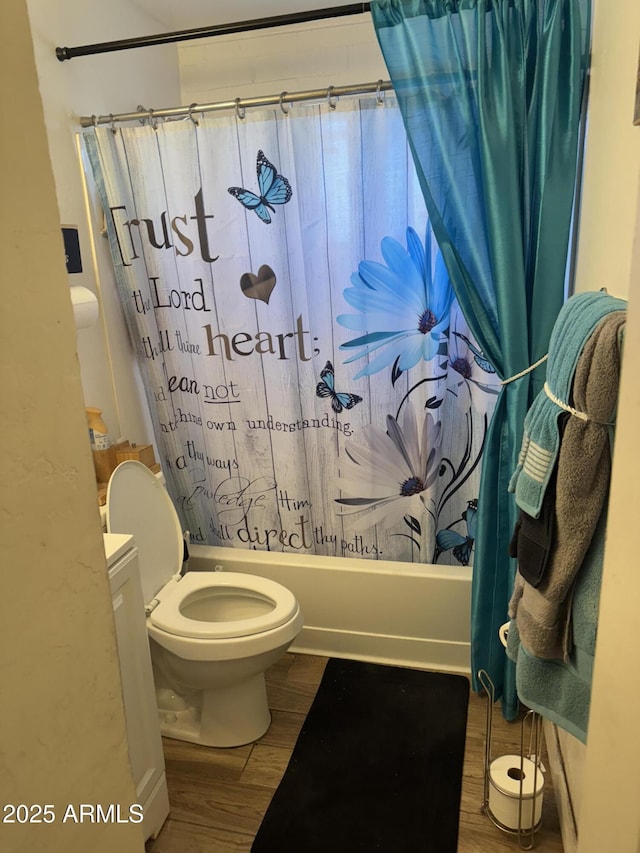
(533, 722)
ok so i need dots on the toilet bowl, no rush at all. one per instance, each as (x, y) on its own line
(212, 635)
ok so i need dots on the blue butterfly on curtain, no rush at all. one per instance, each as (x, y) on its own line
(273, 189)
(461, 545)
(326, 388)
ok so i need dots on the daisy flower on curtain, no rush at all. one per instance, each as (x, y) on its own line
(394, 469)
(403, 306)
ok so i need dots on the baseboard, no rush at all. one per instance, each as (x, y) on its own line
(382, 648)
(156, 808)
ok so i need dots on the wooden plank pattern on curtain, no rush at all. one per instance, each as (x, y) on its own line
(235, 243)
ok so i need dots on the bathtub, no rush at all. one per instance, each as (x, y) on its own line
(407, 614)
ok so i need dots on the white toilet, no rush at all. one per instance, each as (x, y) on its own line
(212, 634)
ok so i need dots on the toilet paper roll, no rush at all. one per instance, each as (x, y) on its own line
(85, 306)
(504, 791)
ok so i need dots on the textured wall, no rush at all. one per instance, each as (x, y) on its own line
(62, 727)
(611, 183)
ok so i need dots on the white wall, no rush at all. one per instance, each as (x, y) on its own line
(101, 84)
(316, 55)
(608, 218)
(609, 256)
(609, 816)
(609, 228)
(63, 738)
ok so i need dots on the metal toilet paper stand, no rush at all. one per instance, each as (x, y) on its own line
(533, 721)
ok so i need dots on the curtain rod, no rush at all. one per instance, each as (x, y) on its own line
(241, 104)
(217, 30)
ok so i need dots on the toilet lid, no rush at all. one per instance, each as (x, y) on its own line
(138, 504)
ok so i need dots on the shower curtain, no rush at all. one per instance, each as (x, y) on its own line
(312, 384)
(493, 90)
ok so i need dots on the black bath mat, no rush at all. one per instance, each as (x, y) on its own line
(377, 767)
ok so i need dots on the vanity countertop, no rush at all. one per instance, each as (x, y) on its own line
(115, 545)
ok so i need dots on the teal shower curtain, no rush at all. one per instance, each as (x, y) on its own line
(491, 94)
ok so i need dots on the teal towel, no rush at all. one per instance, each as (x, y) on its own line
(582, 476)
(555, 690)
(576, 321)
(558, 690)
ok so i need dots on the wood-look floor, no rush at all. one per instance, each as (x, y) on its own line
(218, 796)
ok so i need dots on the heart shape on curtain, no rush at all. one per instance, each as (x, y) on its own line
(258, 286)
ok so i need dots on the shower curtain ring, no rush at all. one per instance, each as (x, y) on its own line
(379, 95)
(239, 114)
(190, 114)
(286, 112)
(94, 120)
(112, 126)
(152, 121)
(332, 104)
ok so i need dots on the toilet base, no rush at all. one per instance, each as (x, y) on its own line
(229, 716)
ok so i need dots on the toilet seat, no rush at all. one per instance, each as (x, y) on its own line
(138, 504)
(275, 605)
